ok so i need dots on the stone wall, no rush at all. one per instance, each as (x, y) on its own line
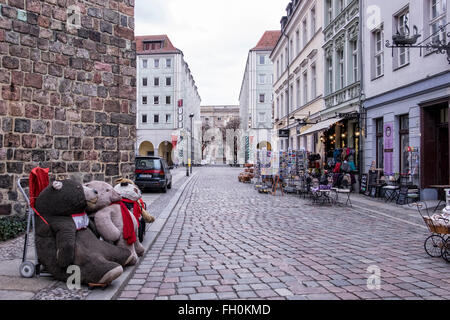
(68, 92)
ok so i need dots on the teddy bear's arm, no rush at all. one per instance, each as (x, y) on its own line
(65, 232)
(105, 225)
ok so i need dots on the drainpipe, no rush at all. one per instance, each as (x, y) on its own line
(362, 114)
(288, 93)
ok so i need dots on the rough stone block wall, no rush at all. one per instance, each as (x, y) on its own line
(67, 91)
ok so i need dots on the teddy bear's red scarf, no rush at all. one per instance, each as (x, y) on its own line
(137, 210)
(128, 227)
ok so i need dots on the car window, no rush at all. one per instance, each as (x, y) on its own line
(148, 164)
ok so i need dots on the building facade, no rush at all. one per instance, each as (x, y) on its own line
(166, 97)
(407, 92)
(215, 121)
(256, 98)
(298, 70)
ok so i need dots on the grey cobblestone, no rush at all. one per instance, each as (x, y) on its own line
(224, 240)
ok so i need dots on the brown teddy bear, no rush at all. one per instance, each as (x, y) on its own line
(113, 221)
(63, 237)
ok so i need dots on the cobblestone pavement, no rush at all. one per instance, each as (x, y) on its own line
(224, 240)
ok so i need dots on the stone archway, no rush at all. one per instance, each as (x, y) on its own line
(264, 144)
(146, 148)
(165, 151)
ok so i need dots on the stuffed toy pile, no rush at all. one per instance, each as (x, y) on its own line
(88, 226)
(63, 236)
(114, 222)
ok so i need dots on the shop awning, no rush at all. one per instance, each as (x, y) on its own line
(321, 126)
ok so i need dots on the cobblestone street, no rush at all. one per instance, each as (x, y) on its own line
(224, 240)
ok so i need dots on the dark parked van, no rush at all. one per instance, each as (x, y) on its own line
(152, 173)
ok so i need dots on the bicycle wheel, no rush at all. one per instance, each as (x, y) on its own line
(445, 252)
(433, 245)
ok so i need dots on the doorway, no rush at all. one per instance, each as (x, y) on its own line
(435, 145)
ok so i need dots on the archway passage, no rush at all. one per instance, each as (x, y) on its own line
(165, 151)
(264, 144)
(146, 149)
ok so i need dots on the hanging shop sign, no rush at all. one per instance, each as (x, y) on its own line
(283, 133)
(389, 148)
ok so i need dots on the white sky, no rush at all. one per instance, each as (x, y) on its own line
(214, 35)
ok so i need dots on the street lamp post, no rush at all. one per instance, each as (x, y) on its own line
(187, 155)
(192, 139)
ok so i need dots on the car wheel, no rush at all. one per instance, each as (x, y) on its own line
(164, 189)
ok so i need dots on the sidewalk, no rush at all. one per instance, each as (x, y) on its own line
(14, 287)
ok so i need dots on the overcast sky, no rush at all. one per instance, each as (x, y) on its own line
(214, 35)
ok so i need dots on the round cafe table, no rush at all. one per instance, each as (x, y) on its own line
(439, 188)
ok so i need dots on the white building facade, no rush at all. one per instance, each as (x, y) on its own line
(166, 97)
(256, 98)
(298, 70)
(407, 92)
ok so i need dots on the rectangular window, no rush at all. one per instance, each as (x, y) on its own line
(168, 63)
(261, 117)
(354, 59)
(282, 66)
(168, 99)
(262, 59)
(297, 41)
(339, 6)
(380, 143)
(329, 11)
(144, 99)
(402, 23)
(291, 50)
(404, 143)
(313, 82)
(144, 118)
(262, 79)
(144, 63)
(305, 32)
(168, 118)
(156, 82)
(313, 21)
(278, 69)
(340, 68)
(378, 58)
(291, 98)
(156, 100)
(168, 81)
(305, 88)
(262, 98)
(438, 13)
(156, 118)
(298, 94)
(329, 74)
(156, 63)
(144, 82)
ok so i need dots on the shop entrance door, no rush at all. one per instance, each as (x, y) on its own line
(435, 145)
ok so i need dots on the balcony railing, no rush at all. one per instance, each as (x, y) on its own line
(346, 94)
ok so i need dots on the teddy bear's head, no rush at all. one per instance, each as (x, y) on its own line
(106, 195)
(64, 198)
(127, 189)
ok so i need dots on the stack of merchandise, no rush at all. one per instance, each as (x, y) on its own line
(248, 174)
